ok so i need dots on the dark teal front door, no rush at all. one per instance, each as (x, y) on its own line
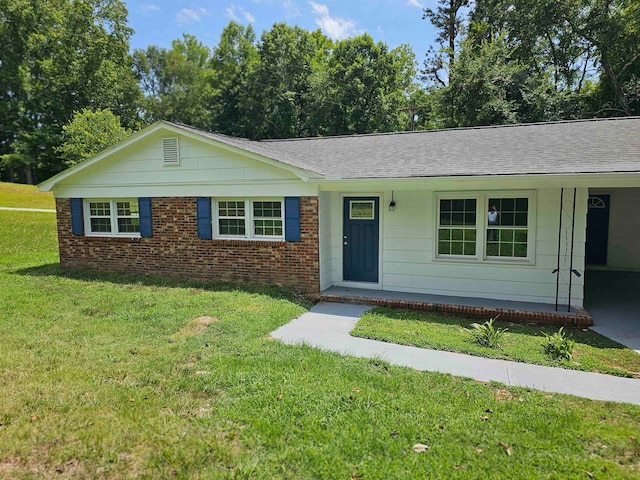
(597, 230)
(360, 239)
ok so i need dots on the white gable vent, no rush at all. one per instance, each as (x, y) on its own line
(171, 151)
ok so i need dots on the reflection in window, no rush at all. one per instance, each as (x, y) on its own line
(457, 227)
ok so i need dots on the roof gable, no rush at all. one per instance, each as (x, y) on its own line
(111, 164)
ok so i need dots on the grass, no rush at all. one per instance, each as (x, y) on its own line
(520, 343)
(24, 196)
(106, 376)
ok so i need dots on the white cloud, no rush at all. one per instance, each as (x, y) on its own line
(148, 7)
(247, 15)
(415, 3)
(188, 15)
(334, 27)
(291, 8)
(231, 13)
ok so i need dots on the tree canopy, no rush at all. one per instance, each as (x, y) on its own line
(69, 85)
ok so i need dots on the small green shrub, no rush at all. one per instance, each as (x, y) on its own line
(487, 335)
(559, 345)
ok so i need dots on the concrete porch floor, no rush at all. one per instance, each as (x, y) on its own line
(613, 300)
(468, 306)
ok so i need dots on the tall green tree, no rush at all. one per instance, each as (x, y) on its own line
(60, 56)
(491, 86)
(233, 61)
(277, 100)
(177, 82)
(367, 87)
(612, 27)
(447, 19)
(89, 133)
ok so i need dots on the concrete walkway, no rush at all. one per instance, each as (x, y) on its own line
(28, 209)
(327, 326)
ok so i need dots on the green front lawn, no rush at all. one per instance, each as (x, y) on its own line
(24, 196)
(520, 343)
(106, 376)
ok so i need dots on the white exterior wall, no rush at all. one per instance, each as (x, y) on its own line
(325, 240)
(408, 260)
(623, 246)
(204, 170)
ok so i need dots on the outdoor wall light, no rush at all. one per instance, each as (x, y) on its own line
(392, 204)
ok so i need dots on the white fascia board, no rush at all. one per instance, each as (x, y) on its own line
(593, 180)
(49, 184)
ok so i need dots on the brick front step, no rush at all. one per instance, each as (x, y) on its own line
(578, 319)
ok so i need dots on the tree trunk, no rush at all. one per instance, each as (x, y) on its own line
(28, 174)
(617, 88)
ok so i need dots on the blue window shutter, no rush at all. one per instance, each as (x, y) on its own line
(292, 219)
(203, 213)
(146, 226)
(77, 222)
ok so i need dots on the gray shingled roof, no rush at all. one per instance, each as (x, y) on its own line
(587, 146)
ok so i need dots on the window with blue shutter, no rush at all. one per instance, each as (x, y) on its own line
(146, 226)
(292, 219)
(77, 221)
(203, 214)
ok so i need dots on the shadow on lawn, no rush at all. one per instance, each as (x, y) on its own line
(273, 291)
(580, 335)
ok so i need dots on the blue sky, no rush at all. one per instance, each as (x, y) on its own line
(158, 22)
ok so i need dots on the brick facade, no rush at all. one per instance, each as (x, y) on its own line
(176, 250)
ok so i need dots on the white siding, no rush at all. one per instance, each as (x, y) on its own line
(324, 239)
(409, 262)
(204, 170)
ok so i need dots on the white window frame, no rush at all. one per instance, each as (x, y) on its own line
(249, 225)
(113, 216)
(482, 226)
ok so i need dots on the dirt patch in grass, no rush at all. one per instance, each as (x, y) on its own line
(503, 395)
(38, 463)
(194, 327)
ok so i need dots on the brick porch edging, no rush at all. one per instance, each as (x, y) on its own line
(579, 319)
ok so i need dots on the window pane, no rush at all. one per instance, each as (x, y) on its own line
(457, 218)
(520, 250)
(267, 209)
(456, 248)
(445, 218)
(457, 205)
(231, 209)
(470, 205)
(521, 236)
(127, 208)
(268, 228)
(457, 234)
(508, 204)
(102, 209)
(470, 219)
(444, 234)
(521, 220)
(506, 236)
(470, 235)
(492, 249)
(506, 250)
(128, 225)
(444, 248)
(231, 226)
(469, 248)
(522, 204)
(101, 225)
